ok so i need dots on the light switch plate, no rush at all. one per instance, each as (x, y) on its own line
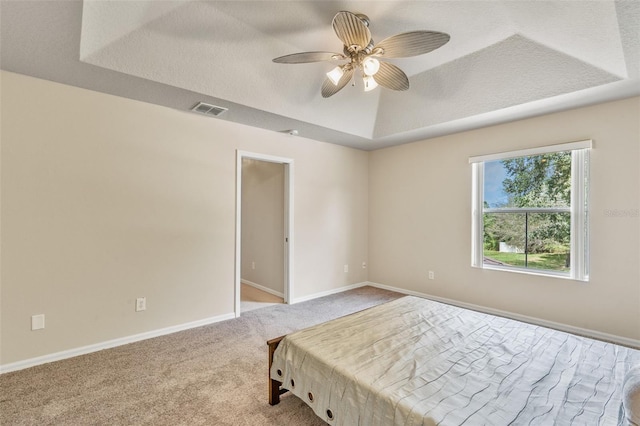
(37, 322)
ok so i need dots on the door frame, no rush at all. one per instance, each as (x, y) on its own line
(288, 222)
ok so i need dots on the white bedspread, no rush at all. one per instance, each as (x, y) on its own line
(413, 361)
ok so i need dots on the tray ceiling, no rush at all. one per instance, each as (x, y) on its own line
(506, 60)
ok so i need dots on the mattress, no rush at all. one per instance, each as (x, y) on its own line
(414, 361)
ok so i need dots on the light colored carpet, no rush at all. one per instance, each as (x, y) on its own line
(211, 375)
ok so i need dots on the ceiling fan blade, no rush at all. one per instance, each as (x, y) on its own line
(412, 43)
(305, 57)
(391, 77)
(351, 30)
(330, 89)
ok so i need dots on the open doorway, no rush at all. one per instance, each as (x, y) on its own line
(261, 235)
(263, 231)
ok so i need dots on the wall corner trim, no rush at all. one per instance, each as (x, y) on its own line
(330, 292)
(263, 288)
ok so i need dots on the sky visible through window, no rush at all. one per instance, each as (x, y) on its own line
(494, 174)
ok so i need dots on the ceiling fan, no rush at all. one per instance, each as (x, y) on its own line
(361, 53)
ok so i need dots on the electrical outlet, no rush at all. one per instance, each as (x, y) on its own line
(346, 268)
(432, 275)
(141, 304)
(253, 265)
(37, 322)
(364, 265)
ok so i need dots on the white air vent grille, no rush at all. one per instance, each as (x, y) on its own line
(208, 109)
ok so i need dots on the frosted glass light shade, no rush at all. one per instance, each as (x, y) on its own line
(370, 66)
(335, 75)
(369, 83)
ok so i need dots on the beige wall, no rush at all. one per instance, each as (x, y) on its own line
(105, 199)
(420, 220)
(263, 224)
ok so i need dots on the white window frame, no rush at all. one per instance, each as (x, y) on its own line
(579, 209)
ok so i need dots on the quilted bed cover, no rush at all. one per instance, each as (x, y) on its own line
(414, 361)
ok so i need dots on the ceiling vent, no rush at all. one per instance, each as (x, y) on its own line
(208, 109)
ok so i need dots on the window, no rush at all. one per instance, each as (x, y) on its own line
(529, 211)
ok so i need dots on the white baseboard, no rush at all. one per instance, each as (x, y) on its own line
(524, 318)
(57, 356)
(263, 288)
(330, 292)
(32, 362)
(20, 365)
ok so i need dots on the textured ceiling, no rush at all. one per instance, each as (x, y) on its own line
(506, 60)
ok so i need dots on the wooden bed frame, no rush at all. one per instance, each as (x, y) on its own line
(275, 387)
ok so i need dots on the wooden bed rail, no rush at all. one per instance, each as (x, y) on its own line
(275, 389)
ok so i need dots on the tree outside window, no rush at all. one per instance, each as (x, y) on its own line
(526, 218)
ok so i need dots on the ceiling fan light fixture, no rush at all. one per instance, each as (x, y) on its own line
(361, 54)
(369, 83)
(370, 66)
(335, 75)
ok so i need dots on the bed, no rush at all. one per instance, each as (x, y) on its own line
(413, 361)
